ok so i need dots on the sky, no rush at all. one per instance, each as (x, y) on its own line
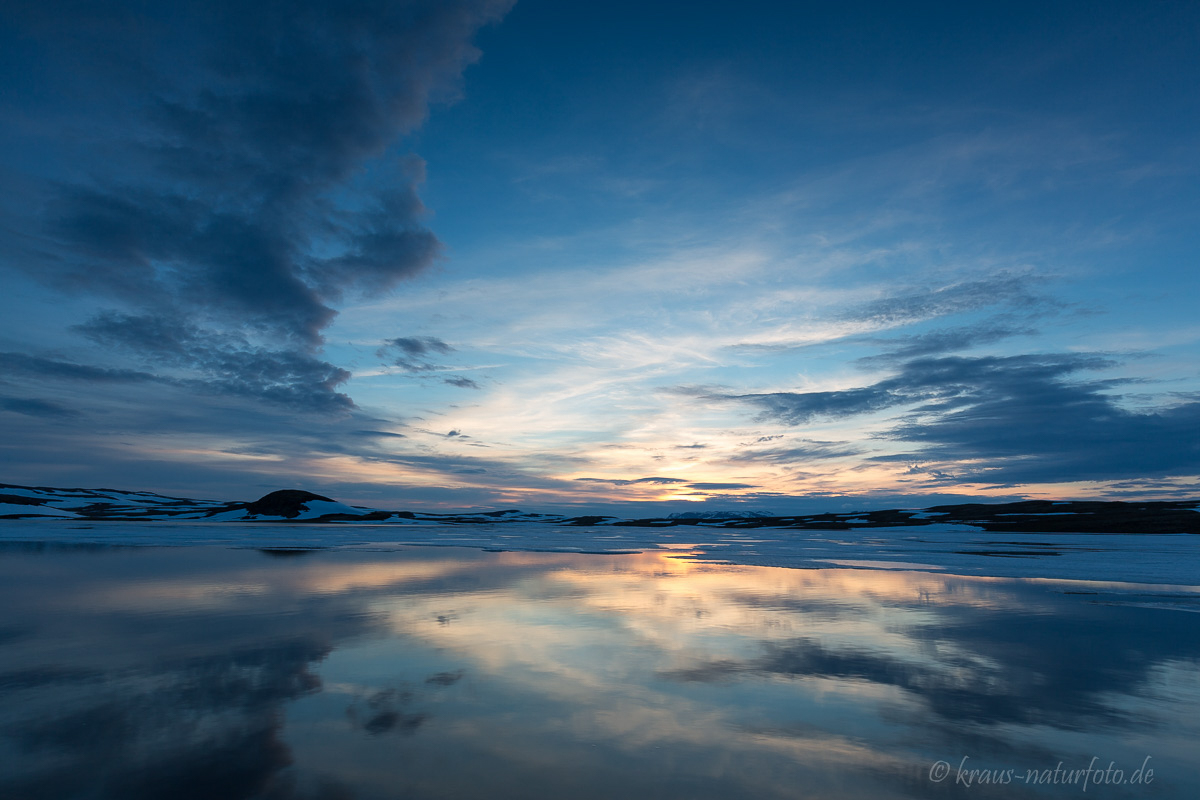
(612, 256)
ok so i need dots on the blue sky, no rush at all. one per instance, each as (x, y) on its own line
(472, 253)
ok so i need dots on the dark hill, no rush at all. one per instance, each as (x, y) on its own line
(284, 503)
(1080, 516)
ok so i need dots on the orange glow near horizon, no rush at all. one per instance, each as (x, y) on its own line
(613, 484)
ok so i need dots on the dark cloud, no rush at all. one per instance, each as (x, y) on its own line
(263, 118)
(412, 350)
(377, 434)
(945, 382)
(1036, 428)
(14, 363)
(414, 346)
(154, 251)
(805, 450)
(35, 407)
(238, 176)
(1015, 419)
(793, 408)
(656, 481)
(720, 486)
(228, 362)
(462, 383)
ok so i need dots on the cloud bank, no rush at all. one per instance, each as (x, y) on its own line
(242, 177)
(1002, 419)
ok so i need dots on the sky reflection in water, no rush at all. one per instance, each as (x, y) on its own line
(445, 672)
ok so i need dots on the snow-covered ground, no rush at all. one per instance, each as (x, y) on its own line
(1158, 559)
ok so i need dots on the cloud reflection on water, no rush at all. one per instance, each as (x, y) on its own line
(220, 673)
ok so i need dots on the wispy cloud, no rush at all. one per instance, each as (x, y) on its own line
(411, 351)
(947, 340)
(228, 363)
(799, 453)
(946, 300)
(653, 481)
(1013, 419)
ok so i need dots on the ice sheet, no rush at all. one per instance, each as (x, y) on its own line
(1165, 559)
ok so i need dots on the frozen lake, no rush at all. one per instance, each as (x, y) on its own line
(1166, 559)
(378, 669)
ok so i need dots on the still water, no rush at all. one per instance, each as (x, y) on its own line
(205, 672)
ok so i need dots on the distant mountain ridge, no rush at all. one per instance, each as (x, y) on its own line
(298, 506)
(719, 515)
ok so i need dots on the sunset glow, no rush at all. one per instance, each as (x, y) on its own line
(788, 257)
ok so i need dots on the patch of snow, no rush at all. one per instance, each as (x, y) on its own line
(43, 511)
(319, 508)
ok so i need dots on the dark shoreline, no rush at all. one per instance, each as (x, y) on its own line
(292, 505)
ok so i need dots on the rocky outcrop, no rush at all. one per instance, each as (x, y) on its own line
(286, 503)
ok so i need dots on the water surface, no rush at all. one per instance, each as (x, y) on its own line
(424, 672)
